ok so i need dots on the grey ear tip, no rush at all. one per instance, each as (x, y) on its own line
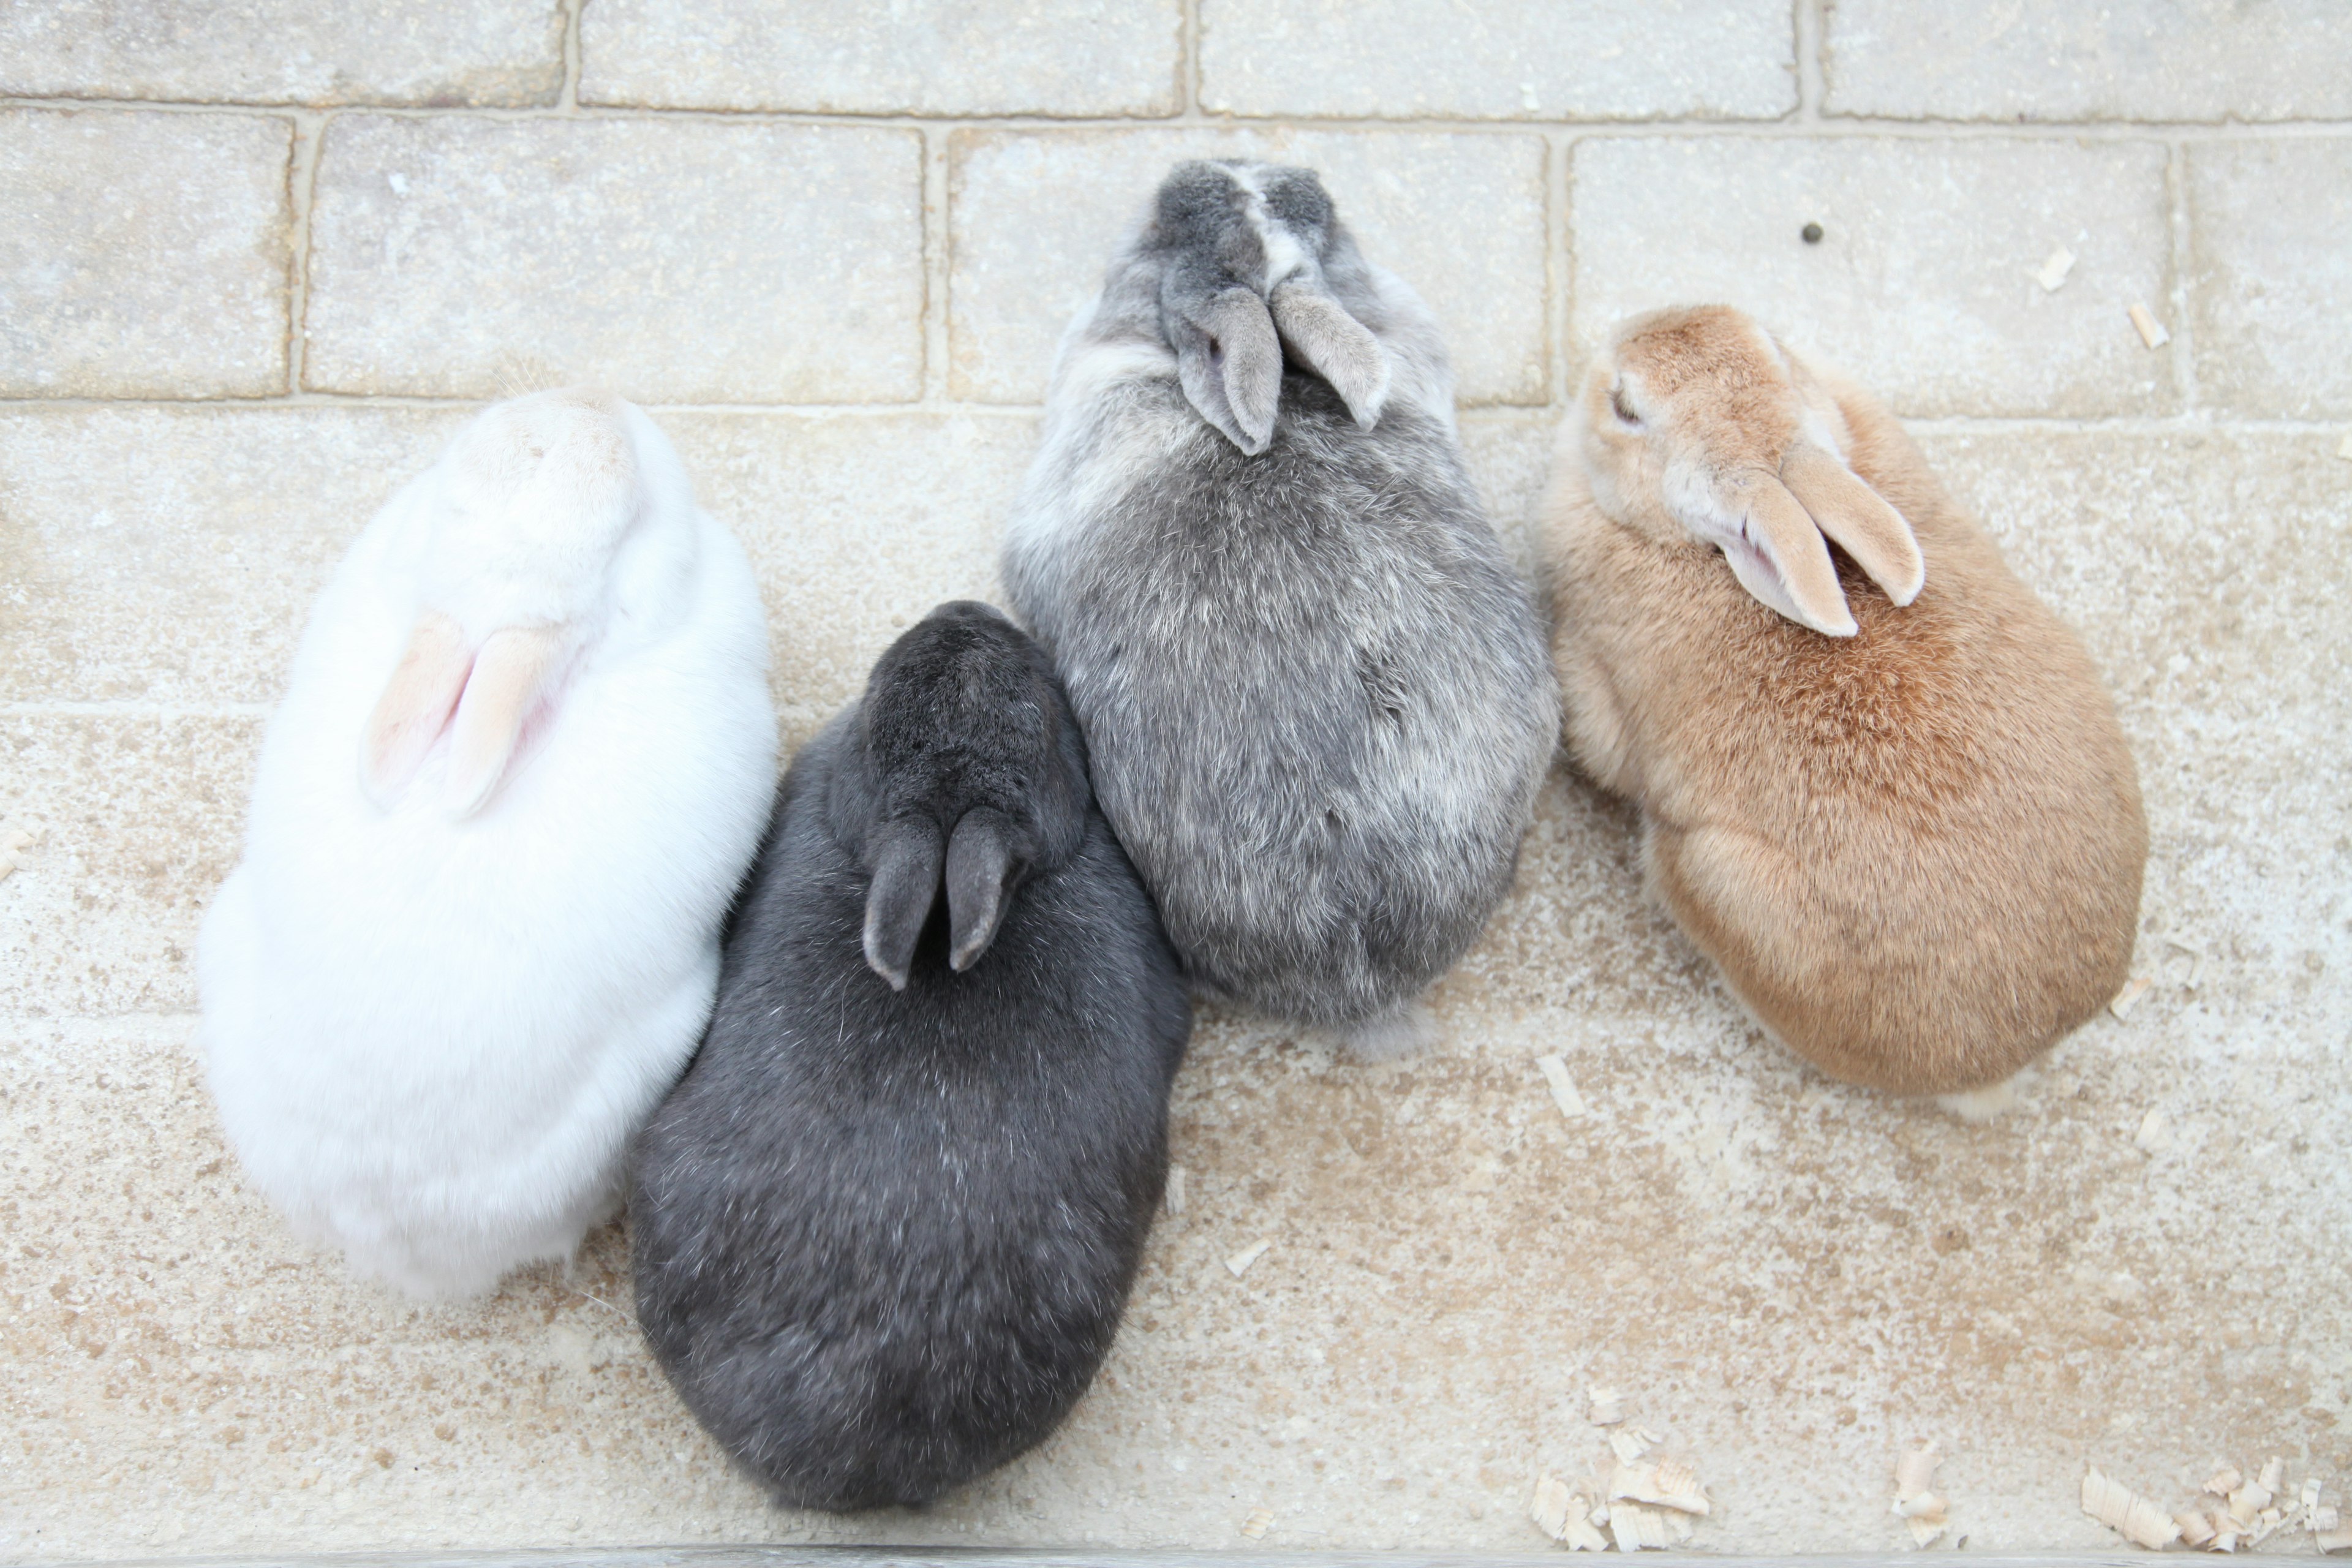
(897, 978)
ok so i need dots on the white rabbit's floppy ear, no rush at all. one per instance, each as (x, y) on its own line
(1775, 551)
(1857, 518)
(899, 902)
(1230, 363)
(510, 675)
(483, 697)
(1341, 350)
(981, 872)
(415, 707)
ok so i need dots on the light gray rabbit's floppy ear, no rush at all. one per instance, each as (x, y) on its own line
(981, 872)
(1341, 350)
(898, 903)
(1230, 363)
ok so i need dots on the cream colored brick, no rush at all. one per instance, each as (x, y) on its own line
(171, 554)
(434, 52)
(921, 57)
(140, 816)
(1922, 286)
(1035, 217)
(2270, 283)
(142, 254)
(1498, 60)
(2122, 60)
(678, 260)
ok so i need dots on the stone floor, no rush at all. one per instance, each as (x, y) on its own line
(256, 261)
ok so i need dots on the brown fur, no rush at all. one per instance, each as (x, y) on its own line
(1914, 852)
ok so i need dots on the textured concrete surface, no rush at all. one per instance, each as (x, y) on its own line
(613, 248)
(930, 57)
(435, 52)
(142, 254)
(2128, 59)
(1520, 60)
(2272, 281)
(227, 333)
(1922, 282)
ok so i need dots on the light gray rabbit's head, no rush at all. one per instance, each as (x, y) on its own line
(1243, 250)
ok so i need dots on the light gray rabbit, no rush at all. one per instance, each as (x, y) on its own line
(1315, 696)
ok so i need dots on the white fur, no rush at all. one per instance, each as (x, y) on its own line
(430, 1039)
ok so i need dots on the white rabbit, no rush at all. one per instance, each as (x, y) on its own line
(522, 763)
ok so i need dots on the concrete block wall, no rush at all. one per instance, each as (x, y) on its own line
(258, 260)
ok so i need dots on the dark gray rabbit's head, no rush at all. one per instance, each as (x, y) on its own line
(1243, 248)
(969, 771)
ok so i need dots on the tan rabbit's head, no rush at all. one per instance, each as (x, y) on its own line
(1696, 427)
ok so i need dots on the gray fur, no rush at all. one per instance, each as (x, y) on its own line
(1317, 700)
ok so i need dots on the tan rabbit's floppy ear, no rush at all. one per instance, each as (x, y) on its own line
(1857, 518)
(510, 673)
(1341, 350)
(1780, 558)
(899, 902)
(415, 707)
(1230, 363)
(981, 871)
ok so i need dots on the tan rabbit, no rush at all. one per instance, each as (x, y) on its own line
(1884, 790)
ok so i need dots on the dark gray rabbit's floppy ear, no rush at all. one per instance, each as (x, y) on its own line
(906, 885)
(1340, 349)
(980, 868)
(1230, 363)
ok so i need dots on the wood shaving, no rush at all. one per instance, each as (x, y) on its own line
(1635, 1527)
(1663, 1483)
(1920, 1510)
(2225, 1481)
(1260, 1520)
(2126, 1512)
(1549, 1507)
(1564, 1516)
(2128, 997)
(1563, 1087)
(1631, 1444)
(2345, 452)
(2192, 958)
(2307, 1500)
(1239, 1263)
(1175, 1189)
(2054, 271)
(2335, 1539)
(2151, 1136)
(2248, 1502)
(1604, 1407)
(2195, 1528)
(1914, 1472)
(2151, 330)
(2273, 1476)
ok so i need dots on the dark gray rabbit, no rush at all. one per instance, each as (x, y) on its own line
(1316, 698)
(885, 1227)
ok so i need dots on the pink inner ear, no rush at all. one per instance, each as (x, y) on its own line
(416, 707)
(503, 691)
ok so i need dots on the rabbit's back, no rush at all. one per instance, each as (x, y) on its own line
(883, 1239)
(1316, 695)
(430, 1039)
(1916, 851)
